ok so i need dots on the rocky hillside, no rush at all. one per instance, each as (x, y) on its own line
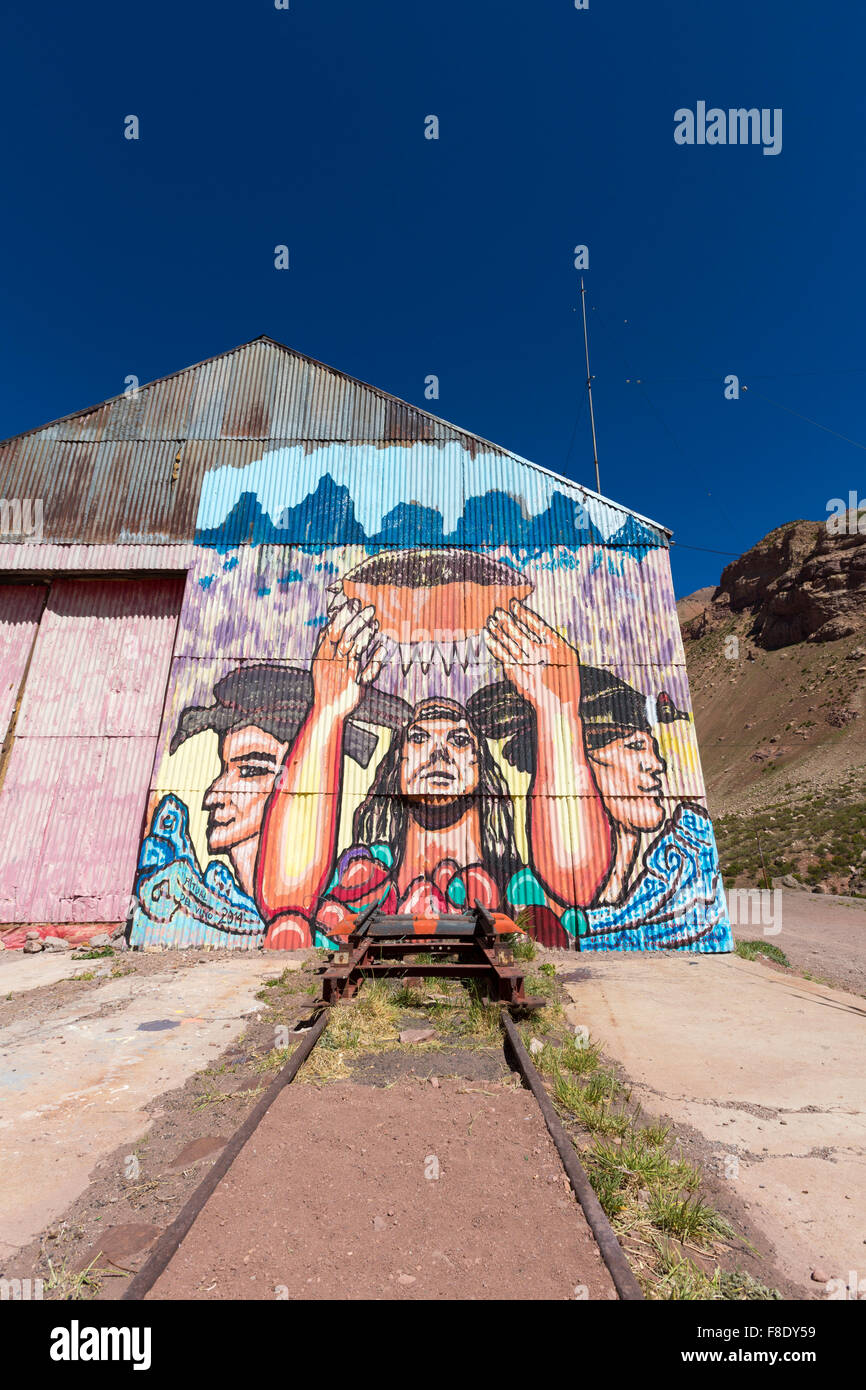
(777, 666)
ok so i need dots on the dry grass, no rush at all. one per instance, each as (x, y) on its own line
(649, 1192)
(324, 1064)
(679, 1279)
(368, 1021)
(212, 1096)
(72, 1285)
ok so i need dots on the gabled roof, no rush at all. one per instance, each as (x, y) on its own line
(135, 468)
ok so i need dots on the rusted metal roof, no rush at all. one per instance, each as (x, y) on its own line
(130, 470)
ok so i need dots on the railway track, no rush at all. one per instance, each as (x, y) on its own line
(475, 945)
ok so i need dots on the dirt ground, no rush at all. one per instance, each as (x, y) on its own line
(393, 1192)
(822, 936)
(176, 1051)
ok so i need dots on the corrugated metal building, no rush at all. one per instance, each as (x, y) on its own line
(275, 645)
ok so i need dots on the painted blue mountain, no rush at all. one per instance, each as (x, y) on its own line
(245, 523)
(411, 524)
(327, 516)
(636, 533)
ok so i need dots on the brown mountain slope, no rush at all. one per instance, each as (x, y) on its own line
(777, 667)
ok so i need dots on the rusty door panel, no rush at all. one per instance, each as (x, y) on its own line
(80, 764)
(93, 670)
(72, 814)
(20, 607)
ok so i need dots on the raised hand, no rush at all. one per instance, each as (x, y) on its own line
(534, 657)
(348, 657)
(570, 844)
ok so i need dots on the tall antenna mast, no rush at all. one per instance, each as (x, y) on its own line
(589, 386)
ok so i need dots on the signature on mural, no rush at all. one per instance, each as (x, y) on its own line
(546, 752)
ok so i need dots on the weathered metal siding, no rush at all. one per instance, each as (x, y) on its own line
(99, 666)
(71, 814)
(274, 481)
(79, 767)
(20, 607)
(32, 558)
(130, 470)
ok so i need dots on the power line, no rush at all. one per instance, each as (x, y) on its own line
(754, 376)
(589, 386)
(681, 545)
(603, 318)
(640, 381)
(796, 413)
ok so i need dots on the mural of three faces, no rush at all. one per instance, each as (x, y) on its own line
(535, 785)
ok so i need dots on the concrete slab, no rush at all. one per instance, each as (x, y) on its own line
(75, 1078)
(768, 1067)
(19, 972)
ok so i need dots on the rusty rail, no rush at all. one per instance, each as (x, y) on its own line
(170, 1240)
(626, 1284)
(382, 946)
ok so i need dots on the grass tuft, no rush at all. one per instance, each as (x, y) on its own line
(212, 1096)
(638, 1163)
(482, 1020)
(596, 1115)
(72, 1285)
(273, 1060)
(522, 945)
(681, 1280)
(688, 1218)
(365, 1021)
(750, 950)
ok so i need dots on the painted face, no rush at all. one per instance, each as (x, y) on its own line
(440, 760)
(628, 773)
(236, 801)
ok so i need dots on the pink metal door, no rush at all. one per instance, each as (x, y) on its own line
(20, 609)
(77, 776)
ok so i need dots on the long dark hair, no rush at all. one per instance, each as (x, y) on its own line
(610, 708)
(383, 816)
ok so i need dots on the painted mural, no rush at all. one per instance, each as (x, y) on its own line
(391, 689)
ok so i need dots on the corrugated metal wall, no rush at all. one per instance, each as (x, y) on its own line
(130, 470)
(20, 609)
(289, 491)
(78, 768)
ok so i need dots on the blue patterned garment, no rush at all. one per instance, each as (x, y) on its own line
(177, 904)
(678, 900)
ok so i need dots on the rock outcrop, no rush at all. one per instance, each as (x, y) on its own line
(800, 583)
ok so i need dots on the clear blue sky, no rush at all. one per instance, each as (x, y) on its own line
(408, 257)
